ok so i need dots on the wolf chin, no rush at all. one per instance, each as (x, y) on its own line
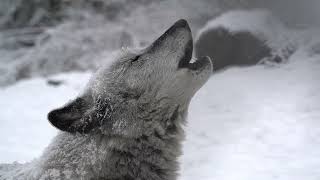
(127, 123)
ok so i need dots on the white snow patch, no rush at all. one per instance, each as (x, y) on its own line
(25, 130)
(257, 123)
(254, 21)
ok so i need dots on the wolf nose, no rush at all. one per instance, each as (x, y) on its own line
(181, 23)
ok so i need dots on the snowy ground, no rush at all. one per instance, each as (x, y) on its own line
(245, 124)
(257, 123)
(24, 129)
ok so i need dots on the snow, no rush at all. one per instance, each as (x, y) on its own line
(246, 123)
(257, 20)
(25, 130)
(256, 123)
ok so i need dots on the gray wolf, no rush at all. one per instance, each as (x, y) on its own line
(127, 123)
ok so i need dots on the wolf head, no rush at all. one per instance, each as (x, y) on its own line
(141, 91)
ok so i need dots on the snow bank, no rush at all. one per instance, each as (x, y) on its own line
(256, 21)
(257, 123)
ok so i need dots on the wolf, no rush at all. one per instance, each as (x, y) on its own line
(128, 122)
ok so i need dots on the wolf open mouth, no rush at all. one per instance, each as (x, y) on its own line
(184, 62)
(177, 41)
(197, 64)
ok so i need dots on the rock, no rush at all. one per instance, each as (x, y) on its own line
(231, 49)
(54, 82)
(243, 38)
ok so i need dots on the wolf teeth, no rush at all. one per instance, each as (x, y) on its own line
(193, 60)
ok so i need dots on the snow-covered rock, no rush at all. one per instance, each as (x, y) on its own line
(244, 38)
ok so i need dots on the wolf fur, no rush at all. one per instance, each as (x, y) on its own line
(127, 124)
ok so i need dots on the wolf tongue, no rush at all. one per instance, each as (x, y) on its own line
(199, 63)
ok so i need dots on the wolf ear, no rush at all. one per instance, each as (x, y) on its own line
(73, 117)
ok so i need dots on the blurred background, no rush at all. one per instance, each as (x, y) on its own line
(256, 118)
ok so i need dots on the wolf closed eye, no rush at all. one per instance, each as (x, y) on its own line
(135, 58)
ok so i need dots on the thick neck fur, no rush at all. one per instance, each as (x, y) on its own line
(144, 146)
